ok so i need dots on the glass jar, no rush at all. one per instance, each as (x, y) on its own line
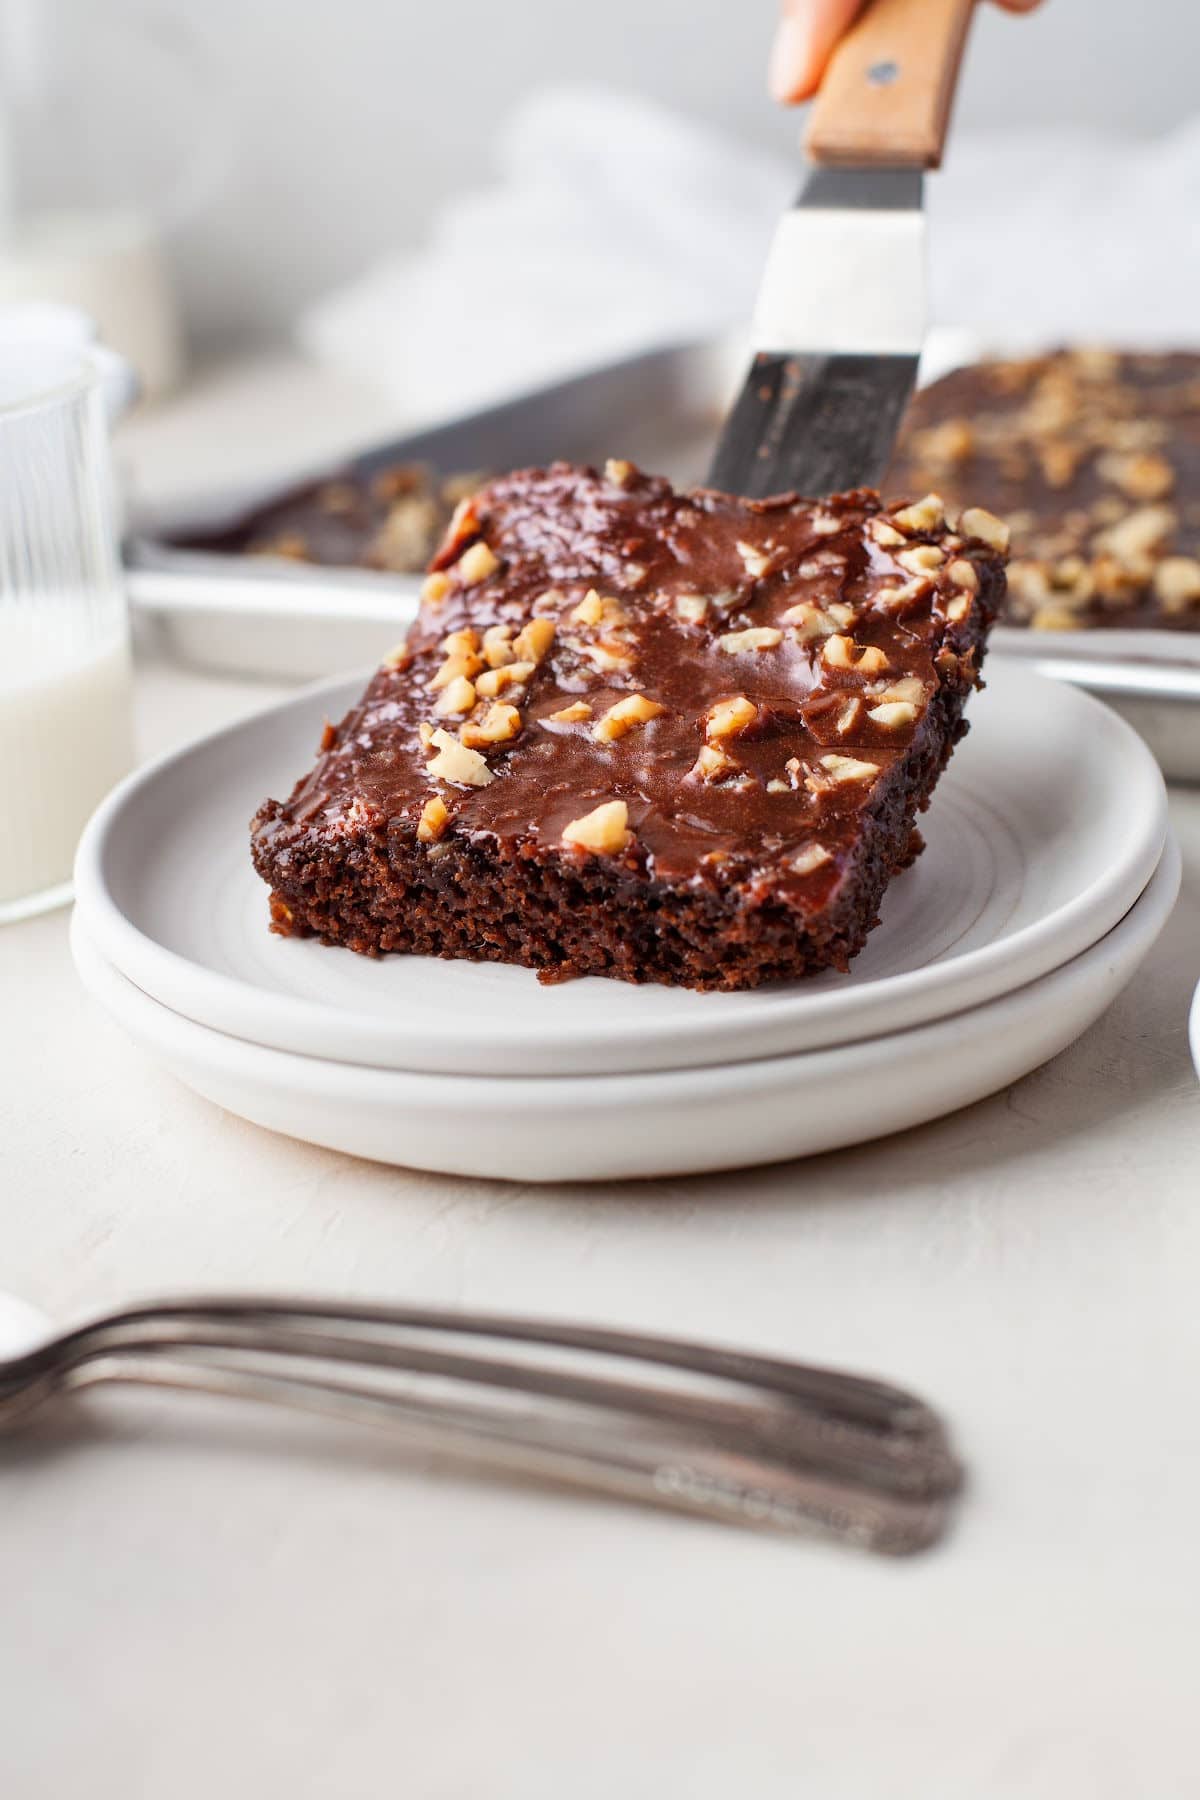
(65, 688)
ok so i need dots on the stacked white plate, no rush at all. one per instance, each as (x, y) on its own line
(1048, 875)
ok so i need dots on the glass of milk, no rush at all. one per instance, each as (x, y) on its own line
(65, 689)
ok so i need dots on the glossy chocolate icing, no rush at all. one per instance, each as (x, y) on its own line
(1093, 457)
(649, 556)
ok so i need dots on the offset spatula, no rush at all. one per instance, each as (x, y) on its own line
(840, 318)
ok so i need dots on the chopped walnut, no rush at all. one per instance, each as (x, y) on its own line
(922, 515)
(497, 645)
(465, 665)
(893, 598)
(477, 563)
(953, 667)
(1116, 577)
(397, 656)
(922, 559)
(810, 859)
(756, 562)
(598, 609)
(499, 723)
(619, 472)
(1132, 539)
(893, 714)
(963, 574)
(824, 562)
(1028, 581)
(606, 657)
(950, 442)
(838, 770)
(909, 687)
(977, 522)
(1053, 617)
(1095, 363)
(844, 653)
(464, 524)
(435, 817)
(590, 610)
(571, 715)
(456, 763)
(604, 831)
(957, 608)
(403, 538)
(635, 709)
(434, 588)
(690, 609)
(729, 717)
(713, 764)
(534, 640)
(1142, 475)
(755, 637)
(458, 696)
(809, 622)
(1177, 582)
(885, 534)
(494, 681)
(460, 643)
(1059, 461)
(849, 717)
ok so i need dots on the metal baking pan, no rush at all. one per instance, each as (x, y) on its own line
(284, 620)
(1161, 702)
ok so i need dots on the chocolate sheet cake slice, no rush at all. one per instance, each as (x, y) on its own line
(1093, 459)
(672, 737)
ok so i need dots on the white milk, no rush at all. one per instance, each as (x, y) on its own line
(109, 264)
(65, 738)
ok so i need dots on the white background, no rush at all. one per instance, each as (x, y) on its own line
(349, 119)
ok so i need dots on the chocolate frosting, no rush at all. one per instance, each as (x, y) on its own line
(649, 593)
(1093, 458)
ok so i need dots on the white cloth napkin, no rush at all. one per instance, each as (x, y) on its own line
(614, 225)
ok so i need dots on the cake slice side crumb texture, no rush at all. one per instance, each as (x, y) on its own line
(673, 737)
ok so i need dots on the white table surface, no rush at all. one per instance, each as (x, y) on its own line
(196, 1600)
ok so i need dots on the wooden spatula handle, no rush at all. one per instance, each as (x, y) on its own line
(887, 92)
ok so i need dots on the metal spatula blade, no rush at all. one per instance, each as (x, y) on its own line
(841, 312)
(837, 334)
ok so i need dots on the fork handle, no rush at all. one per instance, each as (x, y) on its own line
(745, 1437)
(887, 93)
(675, 1470)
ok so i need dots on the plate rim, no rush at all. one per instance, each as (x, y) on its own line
(291, 1022)
(644, 1096)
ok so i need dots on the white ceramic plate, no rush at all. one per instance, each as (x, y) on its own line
(1043, 832)
(613, 1127)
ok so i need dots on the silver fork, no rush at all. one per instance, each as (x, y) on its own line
(751, 1440)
